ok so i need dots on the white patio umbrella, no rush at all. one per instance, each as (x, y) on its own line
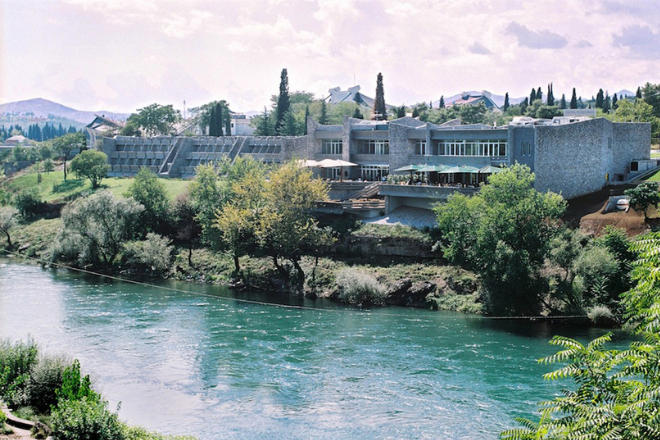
(336, 163)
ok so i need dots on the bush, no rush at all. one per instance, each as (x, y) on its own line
(155, 253)
(356, 287)
(45, 379)
(85, 420)
(28, 202)
(16, 361)
(4, 429)
(137, 433)
(602, 316)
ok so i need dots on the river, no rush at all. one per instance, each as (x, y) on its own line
(197, 361)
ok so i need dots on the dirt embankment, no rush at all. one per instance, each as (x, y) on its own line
(588, 212)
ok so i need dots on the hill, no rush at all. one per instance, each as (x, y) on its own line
(49, 111)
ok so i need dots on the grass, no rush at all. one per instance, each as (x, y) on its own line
(53, 187)
(34, 239)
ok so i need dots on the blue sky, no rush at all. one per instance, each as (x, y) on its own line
(119, 55)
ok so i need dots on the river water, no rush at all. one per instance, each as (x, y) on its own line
(198, 361)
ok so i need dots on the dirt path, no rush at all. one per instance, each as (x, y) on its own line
(18, 434)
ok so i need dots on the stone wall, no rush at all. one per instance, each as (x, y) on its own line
(576, 159)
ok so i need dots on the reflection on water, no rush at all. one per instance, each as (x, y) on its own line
(202, 363)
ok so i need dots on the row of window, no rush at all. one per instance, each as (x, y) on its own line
(487, 148)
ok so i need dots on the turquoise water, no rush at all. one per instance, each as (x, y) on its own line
(206, 364)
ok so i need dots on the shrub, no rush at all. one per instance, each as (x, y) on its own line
(4, 429)
(601, 315)
(85, 420)
(155, 252)
(16, 360)
(45, 379)
(138, 433)
(28, 202)
(356, 287)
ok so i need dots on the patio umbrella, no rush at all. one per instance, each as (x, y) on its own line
(308, 163)
(410, 168)
(432, 168)
(489, 169)
(336, 163)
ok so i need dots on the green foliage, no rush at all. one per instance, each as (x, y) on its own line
(64, 145)
(16, 361)
(95, 229)
(359, 288)
(8, 219)
(45, 380)
(75, 386)
(153, 253)
(28, 202)
(617, 391)
(503, 233)
(644, 196)
(286, 228)
(85, 420)
(283, 104)
(138, 433)
(380, 110)
(155, 119)
(92, 165)
(149, 191)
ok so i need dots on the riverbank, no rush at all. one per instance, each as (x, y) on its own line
(423, 282)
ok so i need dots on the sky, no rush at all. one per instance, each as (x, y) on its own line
(121, 55)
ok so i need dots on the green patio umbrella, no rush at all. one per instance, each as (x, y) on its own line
(489, 169)
(410, 168)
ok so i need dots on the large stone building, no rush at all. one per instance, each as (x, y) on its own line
(572, 158)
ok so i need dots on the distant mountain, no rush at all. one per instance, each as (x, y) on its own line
(624, 92)
(43, 108)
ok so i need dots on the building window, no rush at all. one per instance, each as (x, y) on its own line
(373, 147)
(332, 146)
(525, 148)
(374, 172)
(490, 148)
(420, 147)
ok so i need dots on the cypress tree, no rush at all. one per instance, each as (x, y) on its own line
(639, 92)
(523, 106)
(306, 118)
(573, 103)
(431, 105)
(580, 103)
(227, 121)
(263, 129)
(283, 102)
(506, 105)
(607, 103)
(600, 97)
(213, 131)
(615, 102)
(380, 111)
(562, 103)
(532, 96)
(358, 114)
(219, 119)
(415, 113)
(323, 119)
(441, 104)
(551, 95)
(539, 94)
(401, 111)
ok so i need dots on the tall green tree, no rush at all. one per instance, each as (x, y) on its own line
(91, 165)
(551, 95)
(283, 103)
(286, 229)
(532, 95)
(615, 101)
(213, 122)
(506, 105)
(539, 94)
(64, 145)
(600, 98)
(503, 233)
(357, 114)
(651, 94)
(149, 191)
(323, 118)
(562, 102)
(156, 119)
(380, 110)
(8, 219)
(573, 104)
(306, 118)
(441, 103)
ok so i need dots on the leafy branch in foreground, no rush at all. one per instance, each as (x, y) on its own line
(618, 391)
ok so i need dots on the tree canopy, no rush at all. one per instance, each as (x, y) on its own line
(503, 234)
(91, 165)
(155, 119)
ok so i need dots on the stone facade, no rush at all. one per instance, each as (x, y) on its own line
(573, 158)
